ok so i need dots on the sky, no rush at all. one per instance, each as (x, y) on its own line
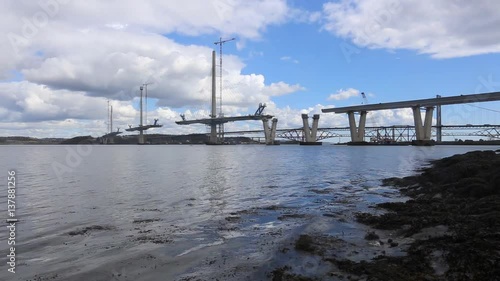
(61, 61)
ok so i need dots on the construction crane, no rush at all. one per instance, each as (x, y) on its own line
(221, 114)
(260, 110)
(146, 100)
(365, 100)
(220, 43)
(108, 128)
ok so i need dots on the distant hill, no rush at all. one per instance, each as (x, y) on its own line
(29, 140)
(80, 140)
(178, 139)
(126, 139)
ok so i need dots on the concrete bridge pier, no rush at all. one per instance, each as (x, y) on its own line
(273, 130)
(310, 134)
(423, 131)
(270, 133)
(257, 139)
(140, 139)
(108, 140)
(357, 133)
(213, 134)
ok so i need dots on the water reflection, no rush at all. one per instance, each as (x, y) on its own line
(216, 178)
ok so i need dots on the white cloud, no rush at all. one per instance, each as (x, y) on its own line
(29, 102)
(29, 108)
(34, 21)
(402, 116)
(290, 59)
(343, 95)
(442, 29)
(302, 16)
(117, 26)
(75, 55)
(281, 88)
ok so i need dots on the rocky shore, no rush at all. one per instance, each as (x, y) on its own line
(449, 229)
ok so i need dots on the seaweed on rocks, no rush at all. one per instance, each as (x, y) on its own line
(282, 274)
(448, 230)
(461, 192)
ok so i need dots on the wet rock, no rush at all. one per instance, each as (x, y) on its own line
(282, 274)
(273, 208)
(285, 250)
(305, 243)
(399, 182)
(233, 218)
(89, 229)
(227, 228)
(243, 212)
(291, 216)
(454, 210)
(371, 236)
(330, 215)
(322, 191)
(153, 239)
(149, 210)
(145, 220)
(385, 268)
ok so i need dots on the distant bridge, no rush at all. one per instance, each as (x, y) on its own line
(397, 133)
(423, 129)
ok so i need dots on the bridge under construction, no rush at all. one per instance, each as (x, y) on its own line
(141, 128)
(383, 134)
(216, 122)
(422, 129)
(420, 133)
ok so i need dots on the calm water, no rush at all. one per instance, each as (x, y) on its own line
(169, 209)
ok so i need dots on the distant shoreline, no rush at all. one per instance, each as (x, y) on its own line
(193, 139)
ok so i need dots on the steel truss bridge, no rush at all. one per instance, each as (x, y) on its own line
(398, 133)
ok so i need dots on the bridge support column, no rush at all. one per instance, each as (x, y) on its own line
(439, 128)
(273, 130)
(141, 137)
(306, 132)
(310, 134)
(357, 133)
(314, 130)
(213, 134)
(423, 131)
(270, 133)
